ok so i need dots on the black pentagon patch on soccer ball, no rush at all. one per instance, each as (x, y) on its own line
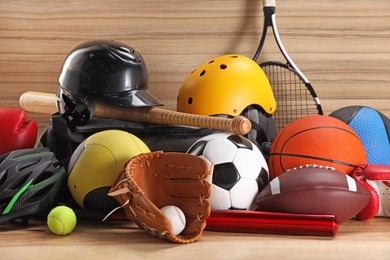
(262, 180)
(197, 148)
(240, 142)
(225, 175)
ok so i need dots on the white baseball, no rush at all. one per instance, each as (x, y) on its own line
(176, 218)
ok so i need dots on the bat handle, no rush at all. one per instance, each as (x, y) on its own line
(38, 102)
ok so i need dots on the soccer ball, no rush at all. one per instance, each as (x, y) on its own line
(239, 170)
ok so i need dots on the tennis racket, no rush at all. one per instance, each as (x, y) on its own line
(294, 95)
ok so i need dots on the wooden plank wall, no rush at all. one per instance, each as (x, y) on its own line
(343, 47)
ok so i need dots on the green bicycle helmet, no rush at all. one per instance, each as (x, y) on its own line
(29, 181)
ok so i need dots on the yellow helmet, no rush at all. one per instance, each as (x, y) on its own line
(96, 164)
(226, 85)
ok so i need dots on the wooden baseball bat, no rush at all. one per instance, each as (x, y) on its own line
(41, 102)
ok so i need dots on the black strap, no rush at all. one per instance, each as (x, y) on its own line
(261, 138)
(61, 139)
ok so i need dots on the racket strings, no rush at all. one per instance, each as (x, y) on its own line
(293, 99)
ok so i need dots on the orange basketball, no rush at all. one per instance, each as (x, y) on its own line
(316, 139)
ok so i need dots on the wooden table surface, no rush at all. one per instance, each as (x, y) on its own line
(123, 240)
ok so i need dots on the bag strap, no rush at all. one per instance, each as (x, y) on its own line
(61, 138)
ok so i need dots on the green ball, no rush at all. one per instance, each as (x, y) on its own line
(61, 220)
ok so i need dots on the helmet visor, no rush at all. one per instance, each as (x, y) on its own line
(134, 98)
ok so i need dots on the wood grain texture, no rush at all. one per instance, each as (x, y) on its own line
(342, 46)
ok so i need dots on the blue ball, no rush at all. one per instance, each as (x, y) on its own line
(372, 127)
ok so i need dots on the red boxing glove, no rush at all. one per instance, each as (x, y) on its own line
(15, 132)
(360, 175)
(378, 176)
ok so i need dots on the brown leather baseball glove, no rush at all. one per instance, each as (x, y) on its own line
(157, 179)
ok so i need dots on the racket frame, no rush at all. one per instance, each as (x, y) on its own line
(270, 21)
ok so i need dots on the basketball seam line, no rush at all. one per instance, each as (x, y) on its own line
(313, 157)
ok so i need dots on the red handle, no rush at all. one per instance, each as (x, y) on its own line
(272, 223)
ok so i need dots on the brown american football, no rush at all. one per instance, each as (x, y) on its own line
(314, 190)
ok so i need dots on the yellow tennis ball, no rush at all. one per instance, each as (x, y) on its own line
(61, 220)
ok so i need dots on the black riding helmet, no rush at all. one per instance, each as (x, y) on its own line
(29, 181)
(108, 71)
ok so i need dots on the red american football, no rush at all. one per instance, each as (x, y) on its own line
(314, 190)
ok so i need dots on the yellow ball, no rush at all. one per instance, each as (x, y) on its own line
(97, 163)
(61, 220)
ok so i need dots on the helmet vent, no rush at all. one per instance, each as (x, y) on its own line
(223, 66)
(56, 165)
(234, 56)
(39, 195)
(21, 181)
(43, 176)
(202, 73)
(189, 100)
(27, 164)
(211, 61)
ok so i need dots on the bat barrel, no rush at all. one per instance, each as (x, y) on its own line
(240, 125)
